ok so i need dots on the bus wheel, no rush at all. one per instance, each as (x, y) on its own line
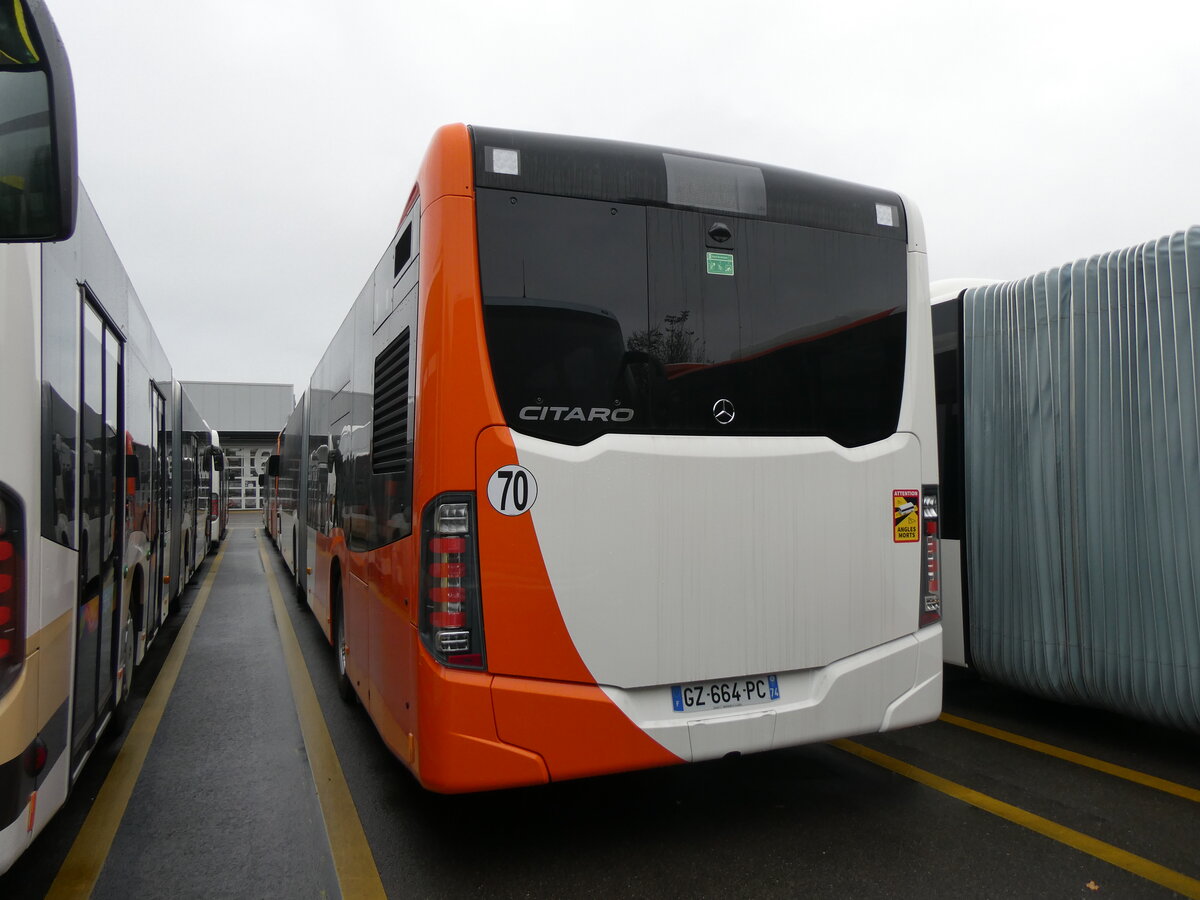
(345, 688)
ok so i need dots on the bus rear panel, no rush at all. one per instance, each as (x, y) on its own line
(652, 474)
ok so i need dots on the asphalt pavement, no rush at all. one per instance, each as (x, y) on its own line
(1005, 797)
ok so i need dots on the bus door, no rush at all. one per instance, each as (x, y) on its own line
(101, 520)
(158, 505)
(188, 562)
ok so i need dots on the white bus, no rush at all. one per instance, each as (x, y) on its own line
(218, 513)
(91, 486)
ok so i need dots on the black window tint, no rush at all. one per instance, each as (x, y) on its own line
(403, 251)
(60, 409)
(607, 317)
(947, 367)
(564, 284)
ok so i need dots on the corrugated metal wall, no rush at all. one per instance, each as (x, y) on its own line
(235, 406)
(1082, 445)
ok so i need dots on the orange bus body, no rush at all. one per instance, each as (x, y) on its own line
(532, 711)
(442, 722)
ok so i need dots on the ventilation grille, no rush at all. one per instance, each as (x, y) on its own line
(390, 440)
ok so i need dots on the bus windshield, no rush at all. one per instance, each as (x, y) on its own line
(607, 317)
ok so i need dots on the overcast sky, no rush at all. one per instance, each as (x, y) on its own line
(251, 159)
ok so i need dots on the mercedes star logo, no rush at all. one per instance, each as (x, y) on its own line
(723, 411)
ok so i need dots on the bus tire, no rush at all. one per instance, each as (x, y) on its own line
(344, 685)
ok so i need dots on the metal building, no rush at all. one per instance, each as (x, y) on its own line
(248, 417)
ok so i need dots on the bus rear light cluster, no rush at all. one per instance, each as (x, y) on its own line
(451, 622)
(12, 588)
(36, 756)
(931, 582)
(456, 642)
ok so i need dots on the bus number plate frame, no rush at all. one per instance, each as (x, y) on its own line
(705, 695)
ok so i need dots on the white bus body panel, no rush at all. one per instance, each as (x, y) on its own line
(884, 688)
(20, 398)
(20, 410)
(954, 643)
(682, 559)
(288, 530)
(51, 570)
(16, 838)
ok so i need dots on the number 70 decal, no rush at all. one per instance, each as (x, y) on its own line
(511, 490)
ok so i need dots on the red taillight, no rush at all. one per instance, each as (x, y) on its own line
(451, 623)
(12, 588)
(214, 507)
(36, 755)
(448, 545)
(447, 595)
(931, 582)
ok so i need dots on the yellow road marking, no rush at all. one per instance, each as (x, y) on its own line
(357, 874)
(1143, 868)
(1159, 784)
(81, 868)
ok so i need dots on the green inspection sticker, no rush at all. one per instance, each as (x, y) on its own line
(720, 263)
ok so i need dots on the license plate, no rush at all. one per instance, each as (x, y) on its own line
(721, 694)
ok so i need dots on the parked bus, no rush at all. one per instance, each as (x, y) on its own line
(218, 517)
(624, 457)
(89, 521)
(1067, 411)
(268, 482)
(195, 447)
(291, 489)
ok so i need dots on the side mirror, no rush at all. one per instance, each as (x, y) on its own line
(262, 481)
(38, 142)
(273, 465)
(218, 461)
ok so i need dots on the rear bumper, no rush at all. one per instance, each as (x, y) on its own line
(480, 732)
(891, 686)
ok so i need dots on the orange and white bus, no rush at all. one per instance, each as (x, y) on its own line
(624, 457)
